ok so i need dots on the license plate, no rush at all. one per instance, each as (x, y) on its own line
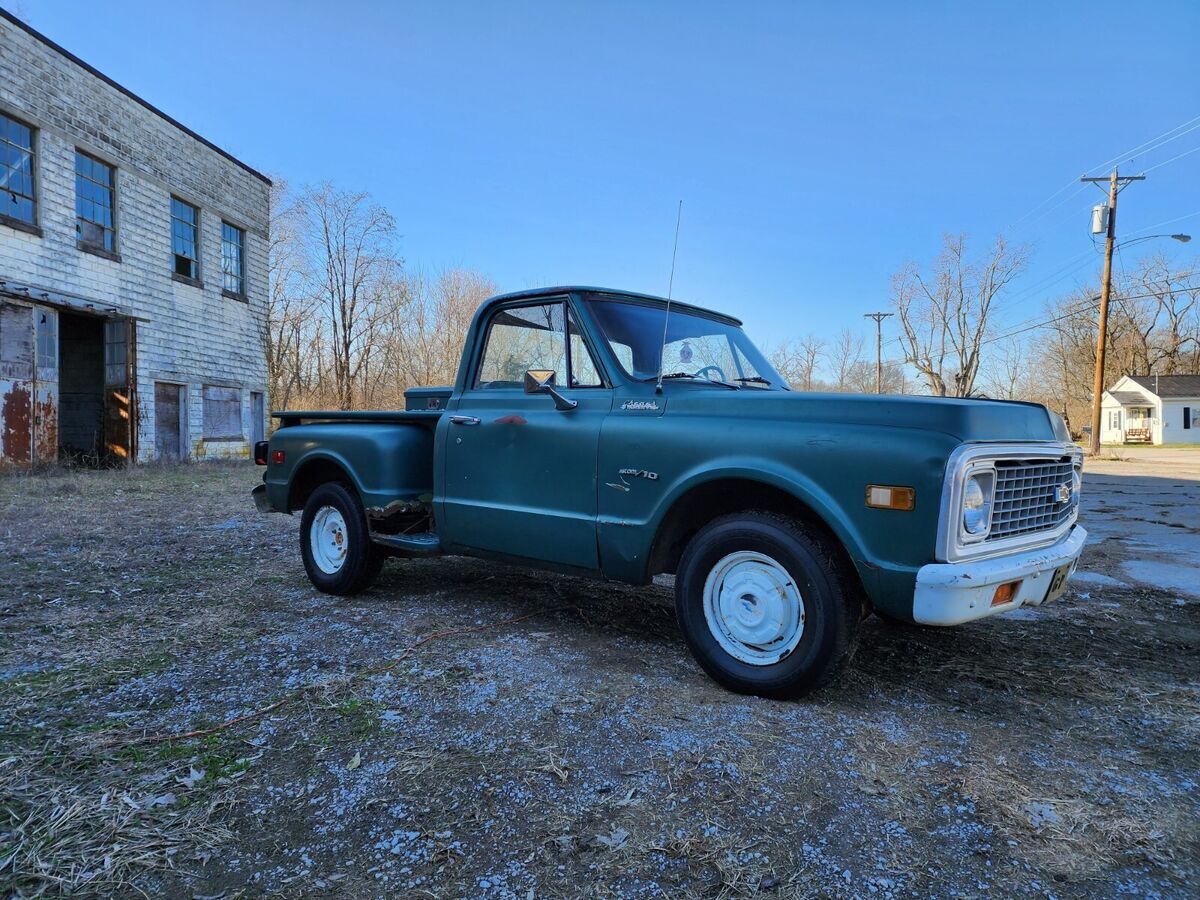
(1058, 584)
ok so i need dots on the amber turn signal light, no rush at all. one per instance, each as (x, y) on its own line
(882, 496)
(1006, 593)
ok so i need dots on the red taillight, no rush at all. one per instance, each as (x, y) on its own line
(260, 453)
(277, 457)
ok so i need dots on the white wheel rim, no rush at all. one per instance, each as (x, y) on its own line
(753, 608)
(328, 539)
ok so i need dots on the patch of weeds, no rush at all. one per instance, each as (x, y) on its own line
(362, 716)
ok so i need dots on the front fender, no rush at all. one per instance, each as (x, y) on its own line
(627, 544)
(825, 469)
(790, 481)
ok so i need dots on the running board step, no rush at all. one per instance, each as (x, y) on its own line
(424, 543)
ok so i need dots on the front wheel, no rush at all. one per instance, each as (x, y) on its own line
(339, 556)
(767, 605)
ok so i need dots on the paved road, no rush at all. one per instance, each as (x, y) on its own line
(1141, 507)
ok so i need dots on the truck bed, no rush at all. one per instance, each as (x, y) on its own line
(292, 417)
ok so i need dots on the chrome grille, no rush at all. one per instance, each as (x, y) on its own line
(1027, 497)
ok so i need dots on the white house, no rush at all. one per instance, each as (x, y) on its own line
(1152, 409)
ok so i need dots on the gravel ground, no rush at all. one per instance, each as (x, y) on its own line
(579, 750)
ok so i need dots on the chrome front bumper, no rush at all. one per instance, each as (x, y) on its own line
(953, 593)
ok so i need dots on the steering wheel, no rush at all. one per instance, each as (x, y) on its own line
(717, 369)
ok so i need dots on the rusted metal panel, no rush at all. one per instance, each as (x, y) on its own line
(16, 383)
(16, 435)
(45, 423)
(45, 385)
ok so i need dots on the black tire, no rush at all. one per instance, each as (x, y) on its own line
(363, 559)
(830, 593)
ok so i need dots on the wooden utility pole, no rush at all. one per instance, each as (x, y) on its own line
(878, 317)
(1115, 185)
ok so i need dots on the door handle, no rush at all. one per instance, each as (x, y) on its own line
(464, 420)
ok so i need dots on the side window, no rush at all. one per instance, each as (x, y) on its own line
(624, 354)
(584, 371)
(95, 227)
(18, 200)
(520, 338)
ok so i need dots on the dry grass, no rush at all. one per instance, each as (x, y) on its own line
(1069, 833)
(63, 834)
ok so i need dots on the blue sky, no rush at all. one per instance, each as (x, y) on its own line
(816, 146)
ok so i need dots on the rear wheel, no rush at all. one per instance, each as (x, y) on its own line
(335, 544)
(767, 605)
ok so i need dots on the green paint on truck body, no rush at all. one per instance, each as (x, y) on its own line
(591, 489)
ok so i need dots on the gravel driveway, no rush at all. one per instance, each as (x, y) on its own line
(558, 740)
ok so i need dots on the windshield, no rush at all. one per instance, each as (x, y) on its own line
(696, 344)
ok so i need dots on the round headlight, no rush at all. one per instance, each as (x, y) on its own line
(976, 507)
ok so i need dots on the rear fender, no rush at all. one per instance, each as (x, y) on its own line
(385, 462)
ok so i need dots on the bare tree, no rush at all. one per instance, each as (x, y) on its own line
(1006, 371)
(426, 346)
(1168, 328)
(844, 356)
(944, 315)
(860, 379)
(355, 277)
(797, 361)
(289, 305)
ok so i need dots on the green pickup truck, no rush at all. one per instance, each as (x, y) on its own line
(623, 436)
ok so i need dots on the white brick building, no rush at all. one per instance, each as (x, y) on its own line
(133, 271)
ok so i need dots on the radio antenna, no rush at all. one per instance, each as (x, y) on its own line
(670, 290)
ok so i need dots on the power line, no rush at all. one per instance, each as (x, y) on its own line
(1173, 158)
(1165, 222)
(1092, 304)
(1145, 147)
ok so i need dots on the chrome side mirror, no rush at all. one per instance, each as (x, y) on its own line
(541, 381)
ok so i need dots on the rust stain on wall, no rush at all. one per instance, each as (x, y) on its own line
(46, 449)
(15, 420)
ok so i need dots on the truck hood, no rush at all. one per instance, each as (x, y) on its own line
(966, 420)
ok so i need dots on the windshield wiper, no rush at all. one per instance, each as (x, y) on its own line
(754, 379)
(700, 378)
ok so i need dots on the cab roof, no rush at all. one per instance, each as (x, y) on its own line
(559, 290)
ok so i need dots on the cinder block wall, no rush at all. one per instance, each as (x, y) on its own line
(192, 335)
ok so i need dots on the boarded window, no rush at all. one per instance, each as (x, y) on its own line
(222, 413)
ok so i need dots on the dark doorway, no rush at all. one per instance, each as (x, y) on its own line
(81, 386)
(168, 422)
